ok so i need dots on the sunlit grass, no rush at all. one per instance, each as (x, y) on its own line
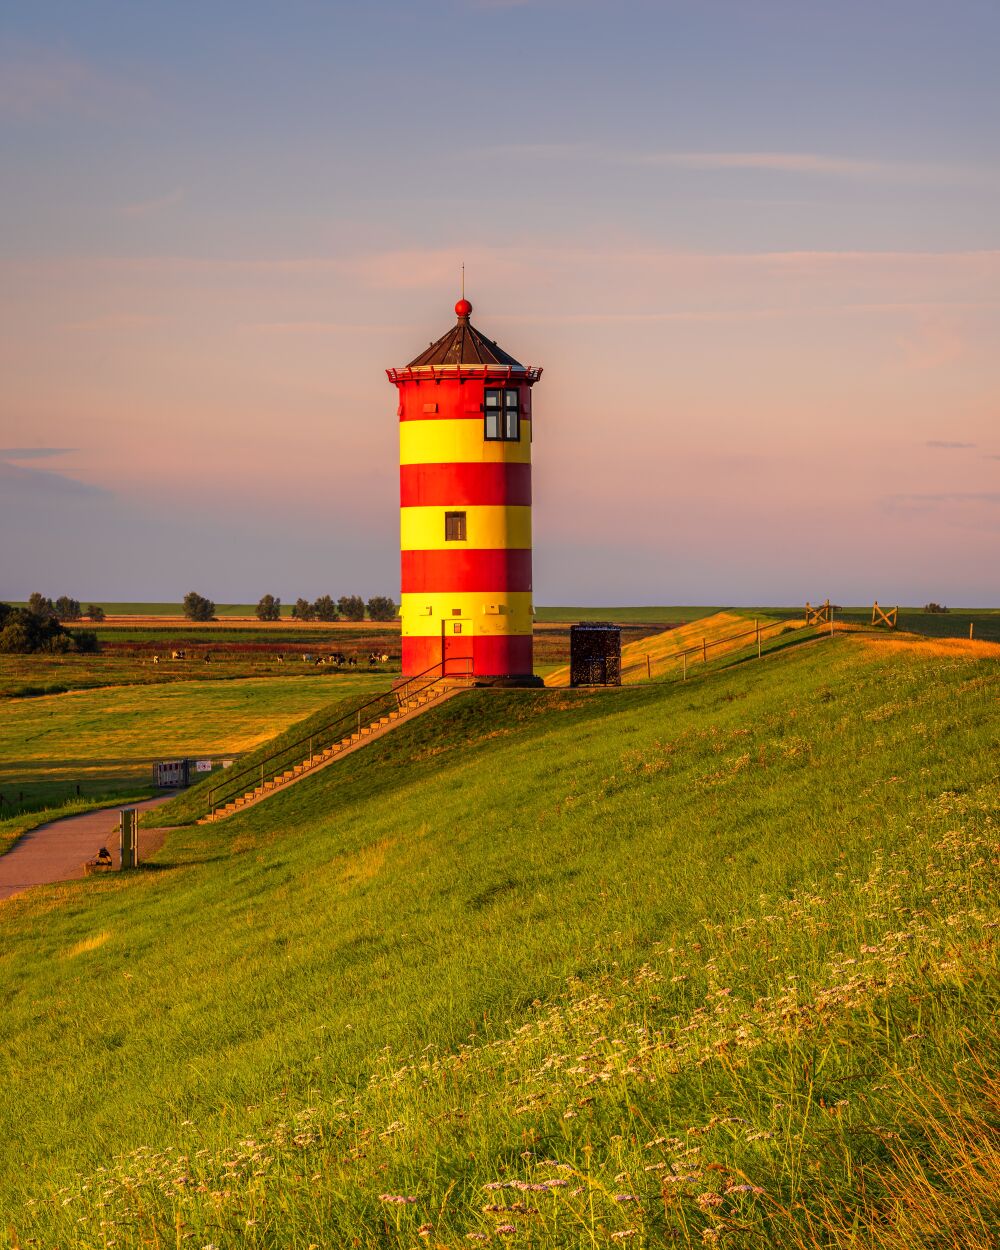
(662, 965)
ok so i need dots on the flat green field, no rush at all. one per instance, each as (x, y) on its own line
(100, 743)
(622, 615)
(952, 624)
(685, 965)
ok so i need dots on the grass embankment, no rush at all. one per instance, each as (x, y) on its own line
(103, 741)
(632, 615)
(190, 805)
(667, 965)
(714, 640)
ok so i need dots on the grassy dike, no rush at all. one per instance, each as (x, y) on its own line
(672, 965)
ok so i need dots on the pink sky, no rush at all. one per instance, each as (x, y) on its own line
(755, 254)
(720, 417)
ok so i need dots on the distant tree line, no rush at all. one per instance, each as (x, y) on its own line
(65, 608)
(325, 608)
(38, 627)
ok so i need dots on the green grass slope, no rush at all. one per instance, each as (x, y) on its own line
(668, 965)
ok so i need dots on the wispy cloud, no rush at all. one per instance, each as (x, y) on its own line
(33, 453)
(802, 164)
(18, 481)
(946, 445)
(146, 208)
(323, 327)
(810, 163)
(38, 81)
(954, 496)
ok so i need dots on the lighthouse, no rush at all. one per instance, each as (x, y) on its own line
(465, 507)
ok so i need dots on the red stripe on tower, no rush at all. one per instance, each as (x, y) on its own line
(455, 485)
(504, 569)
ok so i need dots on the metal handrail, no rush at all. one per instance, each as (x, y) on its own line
(399, 694)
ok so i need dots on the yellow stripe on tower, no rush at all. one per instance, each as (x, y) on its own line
(487, 526)
(489, 612)
(447, 441)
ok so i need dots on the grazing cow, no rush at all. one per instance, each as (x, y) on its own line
(178, 655)
(384, 658)
(156, 659)
(353, 662)
(281, 659)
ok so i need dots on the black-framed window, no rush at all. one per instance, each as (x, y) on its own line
(502, 418)
(454, 527)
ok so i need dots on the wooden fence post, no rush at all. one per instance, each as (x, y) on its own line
(649, 672)
(685, 659)
(704, 650)
(970, 630)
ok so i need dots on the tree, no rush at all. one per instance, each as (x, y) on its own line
(269, 609)
(381, 608)
(68, 609)
(94, 612)
(351, 607)
(86, 641)
(303, 610)
(23, 633)
(39, 605)
(198, 608)
(325, 609)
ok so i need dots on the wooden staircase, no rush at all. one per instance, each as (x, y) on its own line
(411, 700)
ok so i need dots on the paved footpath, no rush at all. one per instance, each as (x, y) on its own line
(57, 851)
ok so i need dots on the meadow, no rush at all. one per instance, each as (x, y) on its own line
(675, 964)
(71, 752)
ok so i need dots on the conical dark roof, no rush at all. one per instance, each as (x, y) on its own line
(464, 345)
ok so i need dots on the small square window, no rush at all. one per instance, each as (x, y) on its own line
(456, 627)
(454, 527)
(456, 611)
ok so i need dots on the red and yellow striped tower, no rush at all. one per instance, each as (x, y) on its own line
(465, 507)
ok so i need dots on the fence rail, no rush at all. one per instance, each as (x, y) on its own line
(701, 649)
(325, 735)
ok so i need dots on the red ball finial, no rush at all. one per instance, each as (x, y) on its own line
(463, 307)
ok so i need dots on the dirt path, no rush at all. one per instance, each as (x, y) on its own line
(57, 851)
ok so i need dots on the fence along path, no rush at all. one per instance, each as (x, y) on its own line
(663, 655)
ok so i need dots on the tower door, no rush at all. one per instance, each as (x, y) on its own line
(456, 646)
